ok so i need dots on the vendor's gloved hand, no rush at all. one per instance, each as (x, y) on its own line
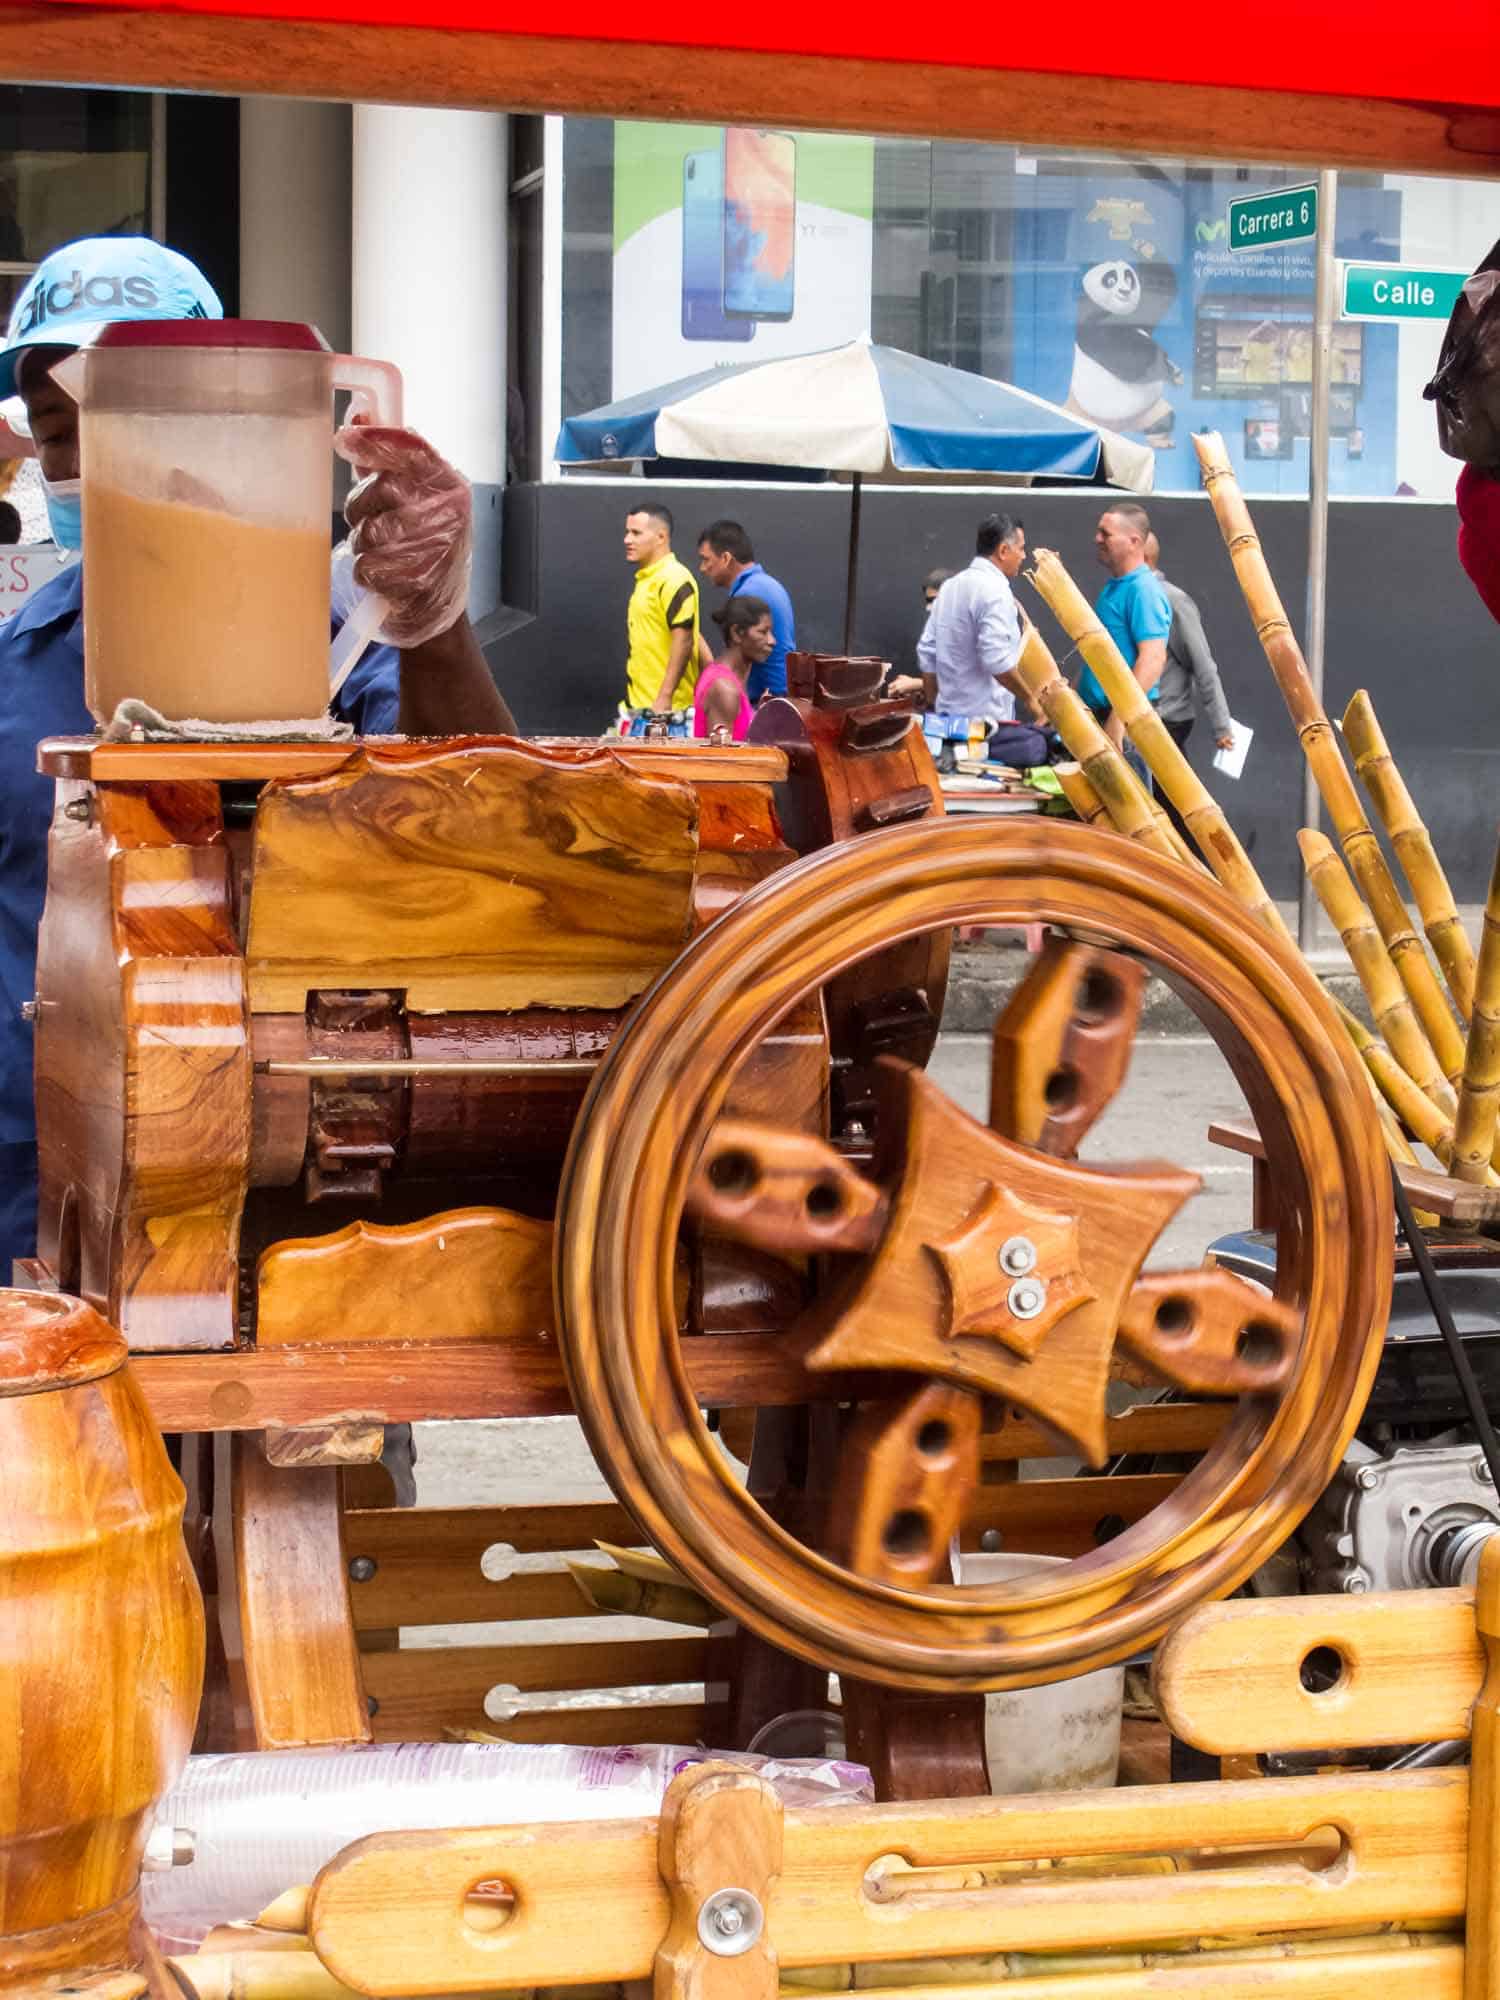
(412, 530)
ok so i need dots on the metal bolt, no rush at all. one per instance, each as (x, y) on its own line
(81, 809)
(1367, 1478)
(30, 1009)
(1481, 1472)
(729, 1922)
(1026, 1298)
(1017, 1256)
(362, 1568)
(1357, 1584)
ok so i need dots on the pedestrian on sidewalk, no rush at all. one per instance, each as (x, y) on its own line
(661, 624)
(969, 648)
(1190, 676)
(727, 559)
(1133, 608)
(720, 698)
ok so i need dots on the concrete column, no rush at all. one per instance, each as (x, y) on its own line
(430, 204)
(294, 213)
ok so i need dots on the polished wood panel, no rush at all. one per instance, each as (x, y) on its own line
(102, 1644)
(142, 1063)
(1452, 1201)
(720, 1832)
(283, 1603)
(494, 877)
(421, 1692)
(467, 1274)
(226, 55)
(591, 1903)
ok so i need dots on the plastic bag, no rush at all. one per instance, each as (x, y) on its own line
(1466, 384)
(263, 1821)
(411, 519)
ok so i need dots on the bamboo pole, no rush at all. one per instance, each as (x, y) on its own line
(1389, 1007)
(1412, 1106)
(1315, 733)
(1201, 812)
(1474, 1130)
(1108, 774)
(1381, 777)
(1080, 794)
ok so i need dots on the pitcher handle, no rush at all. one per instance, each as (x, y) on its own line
(374, 387)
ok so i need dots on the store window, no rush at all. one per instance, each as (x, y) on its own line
(72, 163)
(1103, 284)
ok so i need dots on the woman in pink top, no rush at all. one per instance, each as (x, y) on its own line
(719, 698)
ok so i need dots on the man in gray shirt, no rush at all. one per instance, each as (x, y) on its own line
(1190, 674)
(968, 650)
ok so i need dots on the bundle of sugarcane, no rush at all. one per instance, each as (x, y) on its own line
(1110, 778)
(1201, 812)
(641, 1585)
(1325, 759)
(1474, 1129)
(1381, 778)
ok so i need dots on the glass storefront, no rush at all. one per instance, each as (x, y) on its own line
(72, 163)
(1103, 284)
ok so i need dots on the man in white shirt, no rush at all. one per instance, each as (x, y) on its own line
(968, 651)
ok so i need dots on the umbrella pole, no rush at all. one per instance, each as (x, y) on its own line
(851, 586)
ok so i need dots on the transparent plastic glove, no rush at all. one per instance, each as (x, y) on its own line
(412, 531)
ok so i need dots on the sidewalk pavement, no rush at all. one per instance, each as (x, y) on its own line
(985, 972)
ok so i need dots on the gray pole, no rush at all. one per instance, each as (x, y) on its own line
(1308, 908)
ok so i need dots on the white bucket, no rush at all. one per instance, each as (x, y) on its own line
(1060, 1738)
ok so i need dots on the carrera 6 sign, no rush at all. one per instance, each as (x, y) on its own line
(1284, 215)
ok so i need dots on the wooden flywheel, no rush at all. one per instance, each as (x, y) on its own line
(962, 1268)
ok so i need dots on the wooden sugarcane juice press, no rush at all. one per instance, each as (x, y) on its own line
(441, 1079)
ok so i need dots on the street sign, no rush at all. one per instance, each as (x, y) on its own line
(1399, 291)
(1283, 215)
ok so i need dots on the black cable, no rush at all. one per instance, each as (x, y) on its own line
(1479, 1416)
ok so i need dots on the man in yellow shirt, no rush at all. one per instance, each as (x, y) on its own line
(661, 622)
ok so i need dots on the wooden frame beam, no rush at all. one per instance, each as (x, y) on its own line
(539, 73)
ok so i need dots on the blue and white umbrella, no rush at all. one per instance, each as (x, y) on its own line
(873, 412)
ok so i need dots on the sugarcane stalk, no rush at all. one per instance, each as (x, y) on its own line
(288, 1912)
(1474, 1128)
(1080, 794)
(1412, 1106)
(1111, 777)
(1381, 777)
(1389, 1006)
(644, 1563)
(1201, 812)
(1334, 783)
(635, 1597)
(260, 1975)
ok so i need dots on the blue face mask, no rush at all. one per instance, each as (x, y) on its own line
(64, 499)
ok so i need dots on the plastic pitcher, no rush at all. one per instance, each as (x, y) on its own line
(207, 465)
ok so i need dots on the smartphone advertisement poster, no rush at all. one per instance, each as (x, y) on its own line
(735, 243)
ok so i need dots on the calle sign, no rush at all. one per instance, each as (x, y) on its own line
(1399, 291)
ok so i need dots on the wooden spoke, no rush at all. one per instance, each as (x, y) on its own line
(986, 1262)
(1062, 1046)
(781, 1190)
(1211, 1332)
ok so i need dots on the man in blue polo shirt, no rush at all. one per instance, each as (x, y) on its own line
(727, 560)
(1133, 608)
(410, 542)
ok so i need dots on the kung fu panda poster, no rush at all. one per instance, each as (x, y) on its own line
(1130, 309)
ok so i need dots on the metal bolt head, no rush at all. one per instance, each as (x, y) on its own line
(1367, 1478)
(1017, 1256)
(30, 1009)
(81, 809)
(1357, 1584)
(362, 1568)
(1481, 1472)
(729, 1922)
(1026, 1298)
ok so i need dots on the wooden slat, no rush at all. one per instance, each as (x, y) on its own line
(387, 1913)
(162, 51)
(593, 1728)
(543, 1527)
(1062, 1517)
(469, 1672)
(1418, 1971)
(409, 1382)
(459, 1595)
(1454, 1201)
(1227, 1679)
(1150, 1427)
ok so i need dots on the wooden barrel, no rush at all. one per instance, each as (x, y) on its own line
(101, 1640)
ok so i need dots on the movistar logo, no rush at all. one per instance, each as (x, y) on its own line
(1210, 232)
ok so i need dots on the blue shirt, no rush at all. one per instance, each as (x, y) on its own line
(41, 694)
(768, 676)
(1132, 609)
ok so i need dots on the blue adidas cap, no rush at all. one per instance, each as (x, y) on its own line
(98, 282)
